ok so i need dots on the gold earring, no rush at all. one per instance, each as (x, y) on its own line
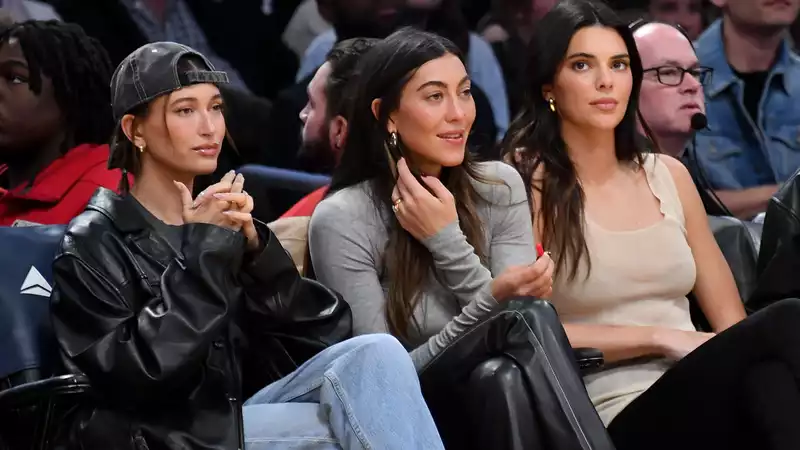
(552, 104)
(141, 148)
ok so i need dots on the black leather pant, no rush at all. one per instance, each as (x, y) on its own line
(739, 390)
(512, 382)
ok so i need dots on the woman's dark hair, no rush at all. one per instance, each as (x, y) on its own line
(123, 153)
(534, 139)
(343, 59)
(80, 71)
(385, 70)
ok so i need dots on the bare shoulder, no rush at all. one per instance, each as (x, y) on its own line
(680, 174)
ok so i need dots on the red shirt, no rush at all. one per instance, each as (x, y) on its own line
(307, 204)
(60, 191)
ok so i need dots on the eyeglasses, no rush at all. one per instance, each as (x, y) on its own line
(673, 75)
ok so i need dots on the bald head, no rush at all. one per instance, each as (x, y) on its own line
(658, 42)
(667, 103)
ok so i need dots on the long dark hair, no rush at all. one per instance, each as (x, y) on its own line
(534, 138)
(383, 72)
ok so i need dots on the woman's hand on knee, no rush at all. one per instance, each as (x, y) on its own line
(676, 344)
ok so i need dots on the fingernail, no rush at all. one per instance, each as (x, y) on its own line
(539, 250)
(227, 213)
(219, 196)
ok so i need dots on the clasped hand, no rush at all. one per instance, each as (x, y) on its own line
(224, 204)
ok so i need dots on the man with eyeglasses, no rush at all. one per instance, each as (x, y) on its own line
(671, 96)
(752, 143)
(672, 90)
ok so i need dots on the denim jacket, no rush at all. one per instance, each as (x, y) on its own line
(734, 152)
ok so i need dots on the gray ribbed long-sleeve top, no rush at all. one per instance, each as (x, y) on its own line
(348, 236)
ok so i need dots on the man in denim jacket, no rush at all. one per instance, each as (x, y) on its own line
(752, 143)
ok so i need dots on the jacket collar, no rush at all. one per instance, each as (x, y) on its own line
(119, 209)
(56, 180)
(711, 52)
(128, 220)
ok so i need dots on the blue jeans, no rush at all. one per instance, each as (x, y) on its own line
(360, 394)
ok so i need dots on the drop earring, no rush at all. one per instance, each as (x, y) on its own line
(552, 104)
(141, 148)
(393, 140)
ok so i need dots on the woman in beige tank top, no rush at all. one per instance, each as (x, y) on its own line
(630, 239)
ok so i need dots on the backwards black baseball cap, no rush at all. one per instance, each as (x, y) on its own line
(152, 71)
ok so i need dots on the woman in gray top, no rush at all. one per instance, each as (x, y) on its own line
(420, 240)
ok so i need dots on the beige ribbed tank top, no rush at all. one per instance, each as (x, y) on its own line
(638, 278)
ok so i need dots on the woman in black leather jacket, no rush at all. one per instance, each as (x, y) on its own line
(162, 300)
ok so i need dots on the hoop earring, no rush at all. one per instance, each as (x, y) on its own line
(552, 104)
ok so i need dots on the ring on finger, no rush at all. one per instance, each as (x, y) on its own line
(396, 204)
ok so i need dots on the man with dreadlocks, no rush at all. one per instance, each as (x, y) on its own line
(55, 121)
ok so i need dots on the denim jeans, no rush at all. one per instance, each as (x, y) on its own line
(360, 394)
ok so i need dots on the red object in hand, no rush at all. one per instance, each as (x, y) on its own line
(539, 250)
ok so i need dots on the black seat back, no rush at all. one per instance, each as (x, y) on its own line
(738, 240)
(739, 243)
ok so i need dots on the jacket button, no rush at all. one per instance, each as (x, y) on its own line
(218, 344)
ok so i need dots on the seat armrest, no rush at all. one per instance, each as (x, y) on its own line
(29, 393)
(589, 359)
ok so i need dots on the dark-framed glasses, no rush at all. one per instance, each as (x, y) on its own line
(673, 75)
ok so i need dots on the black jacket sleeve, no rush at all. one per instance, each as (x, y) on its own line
(271, 282)
(143, 345)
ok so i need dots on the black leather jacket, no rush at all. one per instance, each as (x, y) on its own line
(161, 335)
(779, 256)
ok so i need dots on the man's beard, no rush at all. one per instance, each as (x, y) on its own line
(317, 155)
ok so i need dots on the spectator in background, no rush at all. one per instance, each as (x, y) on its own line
(22, 10)
(229, 32)
(686, 13)
(752, 143)
(671, 94)
(442, 17)
(55, 118)
(508, 27)
(305, 25)
(350, 19)
(672, 88)
(324, 137)
(324, 121)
